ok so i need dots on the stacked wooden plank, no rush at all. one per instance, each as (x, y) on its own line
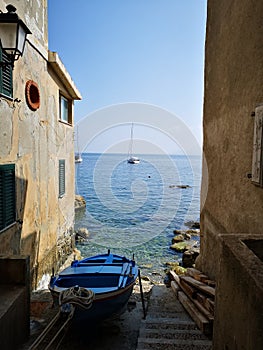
(196, 292)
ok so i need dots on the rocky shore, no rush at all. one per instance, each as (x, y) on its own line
(186, 242)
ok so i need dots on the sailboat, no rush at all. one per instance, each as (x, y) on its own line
(78, 158)
(131, 159)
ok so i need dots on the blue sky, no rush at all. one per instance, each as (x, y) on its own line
(140, 51)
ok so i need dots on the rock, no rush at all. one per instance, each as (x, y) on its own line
(178, 232)
(187, 236)
(145, 278)
(79, 202)
(178, 238)
(179, 270)
(180, 246)
(193, 224)
(183, 186)
(82, 234)
(167, 281)
(174, 266)
(146, 266)
(193, 232)
(189, 257)
(196, 225)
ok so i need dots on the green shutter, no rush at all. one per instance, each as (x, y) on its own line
(7, 195)
(6, 76)
(61, 177)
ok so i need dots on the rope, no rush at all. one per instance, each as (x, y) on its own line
(77, 295)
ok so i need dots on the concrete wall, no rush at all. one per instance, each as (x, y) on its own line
(35, 141)
(239, 294)
(14, 301)
(233, 87)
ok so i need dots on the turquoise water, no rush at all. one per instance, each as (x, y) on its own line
(134, 208)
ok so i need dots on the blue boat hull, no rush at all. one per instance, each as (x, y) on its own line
(106, 308)
(110, 277)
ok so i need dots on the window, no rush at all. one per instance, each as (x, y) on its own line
(65, 110)
(7, 195)
(61, 178)
(6, 76)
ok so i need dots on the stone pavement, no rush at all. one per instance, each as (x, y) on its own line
(168, 326)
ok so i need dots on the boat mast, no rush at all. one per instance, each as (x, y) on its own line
(131, 143)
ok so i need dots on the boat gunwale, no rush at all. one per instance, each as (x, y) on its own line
(99, 296)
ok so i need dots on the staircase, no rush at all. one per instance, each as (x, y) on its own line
(168, 326)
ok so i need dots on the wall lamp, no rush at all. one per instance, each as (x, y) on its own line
(13, 32)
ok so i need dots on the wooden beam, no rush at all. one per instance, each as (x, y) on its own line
(175, 287)
(199, 285)
(201, 321)
(174, 276)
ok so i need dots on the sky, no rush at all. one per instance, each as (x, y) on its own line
(126, 52)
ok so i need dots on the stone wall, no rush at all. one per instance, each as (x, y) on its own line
(233, 88)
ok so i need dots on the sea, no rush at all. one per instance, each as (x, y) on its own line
(133, 209)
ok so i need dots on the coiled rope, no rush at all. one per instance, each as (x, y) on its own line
(78, 296)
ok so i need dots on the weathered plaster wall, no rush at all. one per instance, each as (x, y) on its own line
(233, 87)
(35, 141)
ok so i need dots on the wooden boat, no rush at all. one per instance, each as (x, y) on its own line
(107, 281)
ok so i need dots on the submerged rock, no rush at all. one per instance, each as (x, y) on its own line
(178, 238)
(174, 266)
(180, 246)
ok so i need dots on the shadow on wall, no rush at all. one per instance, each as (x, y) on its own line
(13, 192)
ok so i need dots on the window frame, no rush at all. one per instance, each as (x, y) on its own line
(7, 198)
(6, 77)
(61, 178)
(68, 119)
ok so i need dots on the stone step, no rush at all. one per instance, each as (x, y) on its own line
(175, 316)
(164, 317)
(176, 307)
(173, 344)
(168, 323)
(168, 327)
(185, 334)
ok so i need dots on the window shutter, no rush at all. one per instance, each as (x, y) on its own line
(6, 76)
(61, 177)
(7, 195)
(257, 166)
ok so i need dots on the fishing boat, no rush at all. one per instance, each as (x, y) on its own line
(131, 159)
(98, 287)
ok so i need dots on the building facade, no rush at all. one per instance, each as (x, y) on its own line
(36, 149)
(232, 193)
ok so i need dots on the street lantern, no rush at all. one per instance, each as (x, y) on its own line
(13, 32)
